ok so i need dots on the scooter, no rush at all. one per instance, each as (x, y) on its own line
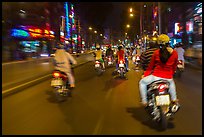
(160, 107)
(60, 85)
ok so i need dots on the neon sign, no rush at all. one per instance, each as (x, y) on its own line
(19, 33)
(67, 19)
(189, 26)
(32, 32)
(177, 28)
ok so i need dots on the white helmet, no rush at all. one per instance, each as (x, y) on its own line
(163, 39)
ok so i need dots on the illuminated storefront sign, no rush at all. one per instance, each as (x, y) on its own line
(189, 27)
(67, 19)
(19, 33)
(177, 28)
(32, 32)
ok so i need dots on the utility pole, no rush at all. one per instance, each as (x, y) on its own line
(141, 7)
(159, 13)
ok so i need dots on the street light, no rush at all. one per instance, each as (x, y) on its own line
(90, 28)
(130, 9)
(128, 26)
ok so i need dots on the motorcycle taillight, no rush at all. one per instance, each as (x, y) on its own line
(97, 62)
(56, 74)
(180, 62)
(121, 62)
(162, 87)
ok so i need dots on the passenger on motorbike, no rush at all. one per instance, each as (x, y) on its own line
(162, 66)
(62, 61)
(99, 55)
(180, 51)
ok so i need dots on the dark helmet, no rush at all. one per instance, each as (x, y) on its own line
(120, 47)
(60, 45)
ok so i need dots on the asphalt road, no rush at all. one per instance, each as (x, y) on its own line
(101, 105)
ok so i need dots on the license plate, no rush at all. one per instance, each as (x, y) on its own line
(121, 65)
(109, 63)
(56, 82)
(162, 100)
(97, 65)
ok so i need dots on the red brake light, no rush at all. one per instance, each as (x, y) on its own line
(162, 87)
(56, 74)
(121, 62)
(97, 62)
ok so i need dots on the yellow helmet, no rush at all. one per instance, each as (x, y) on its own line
(163, 39)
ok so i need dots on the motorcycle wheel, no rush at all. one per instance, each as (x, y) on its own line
(59, 96)
(163, 119)
(122, 73)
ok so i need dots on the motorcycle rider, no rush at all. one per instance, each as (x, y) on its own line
(109, 51)
(62, 61)
(180, 51)
(99, 55)
(146, 55)
(162, 66)
(120, 55)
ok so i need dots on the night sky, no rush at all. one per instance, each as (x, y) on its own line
(104, 14)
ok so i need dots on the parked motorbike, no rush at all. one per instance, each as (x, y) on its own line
(160, 107)
(180, 68)
(98, 67)
(59, 83)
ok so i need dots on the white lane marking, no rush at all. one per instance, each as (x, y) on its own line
(99, 124)
(8, 90)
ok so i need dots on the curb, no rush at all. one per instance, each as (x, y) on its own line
(32, 83)
(24, 86)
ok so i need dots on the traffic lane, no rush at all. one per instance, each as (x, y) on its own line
(85, 113)
(189, 90)
(102, 105)
(33, 111)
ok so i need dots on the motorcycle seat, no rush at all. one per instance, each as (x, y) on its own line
(157, 82)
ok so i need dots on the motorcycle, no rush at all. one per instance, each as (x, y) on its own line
(59, 83)
(180, 68)
(110, 61)
(121, 68)
(136, 61)
(160, 108)
(98, 67)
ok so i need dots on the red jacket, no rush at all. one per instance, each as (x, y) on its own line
(157, 68)
(121, 55)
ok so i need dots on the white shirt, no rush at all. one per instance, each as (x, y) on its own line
(180, 52)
